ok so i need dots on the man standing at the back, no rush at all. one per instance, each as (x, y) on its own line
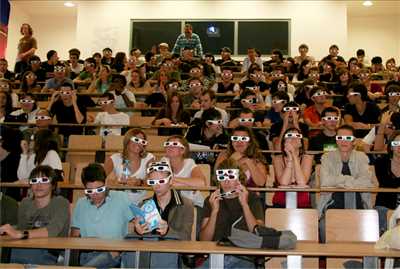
(188, 40)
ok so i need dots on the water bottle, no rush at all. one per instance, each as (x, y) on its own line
(125, 172)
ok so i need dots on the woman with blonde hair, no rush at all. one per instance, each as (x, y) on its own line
(185, 171)
(129, 167)
(243, 148)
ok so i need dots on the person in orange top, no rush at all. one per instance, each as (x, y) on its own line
(312, 114)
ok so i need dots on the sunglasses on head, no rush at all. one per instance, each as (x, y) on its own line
(274, 102)
(38, 180)
(152, 182)
(138, 140)
(215, 122)
(105, 102)
(347, 138)
(330, 118)
(42, 118)
(238, 138)
(321, 93)
(291, 108)
(391, 94)
(96, 190)
(395, 143)
(26, 101)
(173, 144)
(250, 101)
(293, 135)
(192, 85)
(242, 120)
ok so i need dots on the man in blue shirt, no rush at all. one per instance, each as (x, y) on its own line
(188, 40)
(102, 213)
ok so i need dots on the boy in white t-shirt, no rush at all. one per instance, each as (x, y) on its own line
(110, 116)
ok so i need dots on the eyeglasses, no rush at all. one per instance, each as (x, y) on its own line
(395, 143)
(391, 94)
(321, 93)
(37, 180)
(173, 144)
(255, 75)
(291, 108)
(227, 194)
(274, 102)
(152, 182)
(227, 174)
(172, 86)
(347, 138)
(242, 120)
(250, 101)
(226, 74)
(105, 102)
(63, 92)
(168, 65)
(31, 76)
(237, 138)
(59, 69)
(4, 86)
(138, 140)
(195, 71)
(26, 101)
(293, 135)
(192, 85)
(353, 93)
(89, 65)
(276, 75)
(330, 118)
(42, 118)
(215, 122)
(162, 166)
(96, 190)
(35, 62)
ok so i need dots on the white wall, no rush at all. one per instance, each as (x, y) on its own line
(52, 31)
(377, 35)
(106, 24)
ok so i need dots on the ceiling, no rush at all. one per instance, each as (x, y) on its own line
(355, 7)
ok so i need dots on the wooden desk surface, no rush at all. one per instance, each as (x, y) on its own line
(303, 248)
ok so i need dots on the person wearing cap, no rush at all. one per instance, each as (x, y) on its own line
(231, 205)
(59, 79)
(35, 66)
(345, 168)
(110, 116)
(102, 213)
(164, 52)
(41, 215)
(188, 39)
(312, 114)
(290, 115)
(176, 212)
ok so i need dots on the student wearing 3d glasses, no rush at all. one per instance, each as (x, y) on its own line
(42, 215)
(103, 214)
(290, 115)
(185, 171)
(345, 168)
(176, 214)
(292, 168)
(243, 149)
(58, 80)
(230, 205)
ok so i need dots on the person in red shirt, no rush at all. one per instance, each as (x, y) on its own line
(312, 114)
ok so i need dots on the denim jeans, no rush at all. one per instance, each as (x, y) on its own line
(231, 261)
(32, 256)
(99, 259)
(382, 214)
(157, 260)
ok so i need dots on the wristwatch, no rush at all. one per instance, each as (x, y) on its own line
(25, 234)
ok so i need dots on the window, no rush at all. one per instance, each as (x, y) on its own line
(264, 35)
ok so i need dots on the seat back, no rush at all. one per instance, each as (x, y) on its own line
(156, 143)
(114, 142)
(87, 143)
(66, 167)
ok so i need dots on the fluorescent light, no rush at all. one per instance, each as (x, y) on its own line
(69, 4)
(367, 3)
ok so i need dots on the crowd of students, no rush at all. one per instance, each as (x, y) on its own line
(298, 104)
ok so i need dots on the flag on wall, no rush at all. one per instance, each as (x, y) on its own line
(4, 17)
